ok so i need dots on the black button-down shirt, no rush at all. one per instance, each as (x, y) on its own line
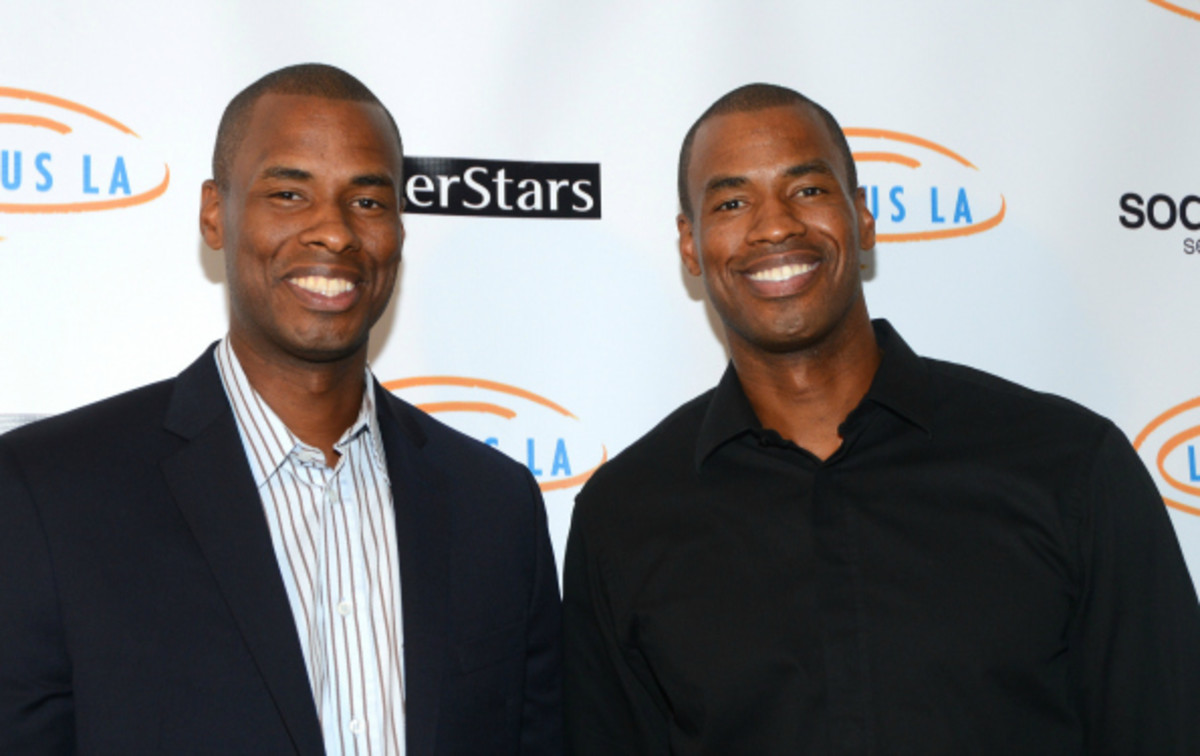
(978, 569)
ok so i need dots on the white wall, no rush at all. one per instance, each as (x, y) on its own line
(1060, 107)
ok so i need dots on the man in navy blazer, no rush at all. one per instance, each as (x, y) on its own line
(142, 607)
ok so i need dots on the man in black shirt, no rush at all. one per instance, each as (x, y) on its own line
(846, 548)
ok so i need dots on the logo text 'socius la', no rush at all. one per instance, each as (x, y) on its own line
(60, 156)
(919, 190)
(558, 449)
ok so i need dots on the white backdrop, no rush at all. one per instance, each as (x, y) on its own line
(586, 332)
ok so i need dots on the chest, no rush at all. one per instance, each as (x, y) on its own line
(776, 583)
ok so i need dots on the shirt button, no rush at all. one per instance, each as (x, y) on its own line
(332, 495)
(344, 608)
(356, 726)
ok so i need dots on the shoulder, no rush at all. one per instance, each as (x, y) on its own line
(113, 422)
(650, 472)
(992, 401)
(133, 420)
(112, 445)
(990, 425)
(669, 445)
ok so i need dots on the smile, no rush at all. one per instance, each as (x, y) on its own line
(782, 272)
(326, 287)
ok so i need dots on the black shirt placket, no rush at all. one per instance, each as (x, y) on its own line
(841, 613)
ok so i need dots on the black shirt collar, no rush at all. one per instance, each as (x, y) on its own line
(901, 385)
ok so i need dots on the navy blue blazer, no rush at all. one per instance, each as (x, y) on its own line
(142, 610)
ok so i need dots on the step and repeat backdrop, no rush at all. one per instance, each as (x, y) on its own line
(1034, 168)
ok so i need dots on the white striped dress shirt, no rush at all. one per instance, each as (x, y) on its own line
(334, 533)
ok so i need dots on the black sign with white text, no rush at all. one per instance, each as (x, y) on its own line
(501, 188)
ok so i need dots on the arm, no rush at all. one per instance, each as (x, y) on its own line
(1135, 636)
(541, 715)
(608, 710)
(36, 707)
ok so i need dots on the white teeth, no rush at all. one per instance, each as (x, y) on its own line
(326, 287)
(782, 273)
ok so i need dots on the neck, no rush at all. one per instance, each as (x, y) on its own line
(806, 395)
(317, 401)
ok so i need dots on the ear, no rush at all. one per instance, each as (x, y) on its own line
(211, 223)
(866, 221)
(687, 244)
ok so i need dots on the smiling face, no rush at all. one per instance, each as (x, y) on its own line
(776, 231)
(310, 225)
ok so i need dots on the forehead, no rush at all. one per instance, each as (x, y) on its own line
(306, 127)
(769, 140)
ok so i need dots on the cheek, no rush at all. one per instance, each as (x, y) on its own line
(842, 223)
(718, 245)
(386, 268)
(253, 262)
(387, 276)
(250, 267)
(381, 243)
(262, 232)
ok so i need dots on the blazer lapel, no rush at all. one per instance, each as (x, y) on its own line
(212, 485)
(423, 540)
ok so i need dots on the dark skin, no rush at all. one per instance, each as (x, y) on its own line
(311, 229)
(776, 234)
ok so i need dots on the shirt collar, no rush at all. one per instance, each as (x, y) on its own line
(368, 421)
(901, 385)
(268, 440)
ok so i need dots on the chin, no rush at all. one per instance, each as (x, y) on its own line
(784, 338)
(785, 345)
(326, 350)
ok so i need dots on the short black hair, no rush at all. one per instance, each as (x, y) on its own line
(315, 79)
(759, 97)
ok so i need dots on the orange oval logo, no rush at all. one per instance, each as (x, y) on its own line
(919, 190)
(543, 435)
(1181, 8)
(1170, 447)
(58, 156)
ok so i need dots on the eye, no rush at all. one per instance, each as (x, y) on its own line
(286, 194)
(730, 204)
(367, 203)
(810, 191)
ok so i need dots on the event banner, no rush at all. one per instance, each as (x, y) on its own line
(1032, 168)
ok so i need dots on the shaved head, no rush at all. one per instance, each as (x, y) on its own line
(311, 79)
(752, 97)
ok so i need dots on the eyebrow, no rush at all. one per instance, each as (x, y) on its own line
(284, 172)
(299, 174)
(812, 166)
(374, 179)
(717, 183)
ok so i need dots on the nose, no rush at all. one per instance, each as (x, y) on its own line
(330, 227)
(775, 221)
